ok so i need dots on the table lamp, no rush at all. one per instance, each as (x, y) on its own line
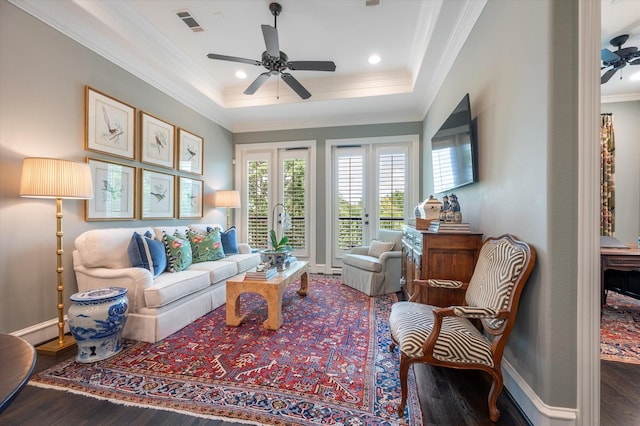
(228, 198)
(53, 178)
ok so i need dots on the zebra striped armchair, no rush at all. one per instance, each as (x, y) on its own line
(448, 336)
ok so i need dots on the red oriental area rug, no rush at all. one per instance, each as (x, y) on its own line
(328, 364)
(620, 329)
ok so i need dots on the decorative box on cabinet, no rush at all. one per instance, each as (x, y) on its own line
(441, 256)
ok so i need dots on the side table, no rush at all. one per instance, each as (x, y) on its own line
(96, 320)
(17, 359)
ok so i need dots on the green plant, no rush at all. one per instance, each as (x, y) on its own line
(279, 245)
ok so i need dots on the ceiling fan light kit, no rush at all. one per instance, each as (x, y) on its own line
(276, 61)
(619, 58)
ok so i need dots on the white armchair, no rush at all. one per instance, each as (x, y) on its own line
(375, 269)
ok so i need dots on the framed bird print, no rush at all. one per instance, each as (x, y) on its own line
(190, 196)
(158, 140)
(190, 149)
(113, 191)
(157, 198)
(109, 125)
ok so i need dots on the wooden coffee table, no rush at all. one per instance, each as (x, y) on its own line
(272, 290)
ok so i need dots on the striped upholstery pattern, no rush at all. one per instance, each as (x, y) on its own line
(444, 283)
(499, 264)
(474, 312)
(459, 341)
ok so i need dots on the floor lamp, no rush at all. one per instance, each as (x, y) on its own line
(228, 198)
(52, 178)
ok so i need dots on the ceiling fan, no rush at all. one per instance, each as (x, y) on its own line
(276, 61)
(618, 59)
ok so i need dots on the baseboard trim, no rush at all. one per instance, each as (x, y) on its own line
(42, 332)
(538, 413)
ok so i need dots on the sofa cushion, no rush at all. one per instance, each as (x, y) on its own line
(178, 250)
(145, 252)
(218, 271)
(168, 287)
(368, 263)
(244, 261)
(378, 247)
(205, 248)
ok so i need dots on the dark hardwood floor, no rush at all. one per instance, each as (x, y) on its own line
(619, 393)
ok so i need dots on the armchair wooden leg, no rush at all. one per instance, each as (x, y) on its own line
(404, 374)
(496, 388)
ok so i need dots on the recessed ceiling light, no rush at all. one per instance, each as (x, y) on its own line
(241, 74)
(635, 77)
(374, 59)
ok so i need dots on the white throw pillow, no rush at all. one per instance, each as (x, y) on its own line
(378, 247)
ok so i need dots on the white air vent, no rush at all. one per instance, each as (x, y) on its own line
(186, 17)
(371, 2)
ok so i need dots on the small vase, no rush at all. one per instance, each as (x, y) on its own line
(96, 319)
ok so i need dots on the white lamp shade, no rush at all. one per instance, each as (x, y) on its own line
(53, 178)
(227, 198)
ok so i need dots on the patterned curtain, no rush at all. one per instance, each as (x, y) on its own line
(607, 176)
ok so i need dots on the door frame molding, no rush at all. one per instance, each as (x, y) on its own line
(588, 255)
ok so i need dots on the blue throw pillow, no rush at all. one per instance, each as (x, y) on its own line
(145, 252)
(229, 242)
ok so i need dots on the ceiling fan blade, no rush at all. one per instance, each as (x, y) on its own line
(626, 51)
(608, 56)
(635, 62)
(257, 83)
(311, 65)
(296, 86)
(607, 75)
(233, 59)
(270, 35)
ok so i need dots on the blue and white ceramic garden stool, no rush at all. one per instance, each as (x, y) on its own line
(96, 320)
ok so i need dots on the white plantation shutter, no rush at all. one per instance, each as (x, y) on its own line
(294, 179)
(350, 208)
(392, 178)
(258, 203)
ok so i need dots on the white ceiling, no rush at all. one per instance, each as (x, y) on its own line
(418, 42)
(621, 17)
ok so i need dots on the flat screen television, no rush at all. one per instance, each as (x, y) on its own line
(454, 150)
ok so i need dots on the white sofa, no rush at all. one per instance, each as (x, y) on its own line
(160, 306)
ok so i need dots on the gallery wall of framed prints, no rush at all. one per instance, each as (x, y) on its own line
(164, 182)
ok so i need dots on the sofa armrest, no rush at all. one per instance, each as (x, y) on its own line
(360, 250)
(135, 280)
(390, 255)
(244, 248)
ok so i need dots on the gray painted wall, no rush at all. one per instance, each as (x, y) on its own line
(626, 120)
(43, 74)
(519, 71)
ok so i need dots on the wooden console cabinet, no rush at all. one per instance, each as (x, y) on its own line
(438, 255)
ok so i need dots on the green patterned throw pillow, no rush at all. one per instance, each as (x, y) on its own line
(178, 251)
(205, 248)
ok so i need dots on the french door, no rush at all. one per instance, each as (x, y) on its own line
(371, 189)
(276, 180)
